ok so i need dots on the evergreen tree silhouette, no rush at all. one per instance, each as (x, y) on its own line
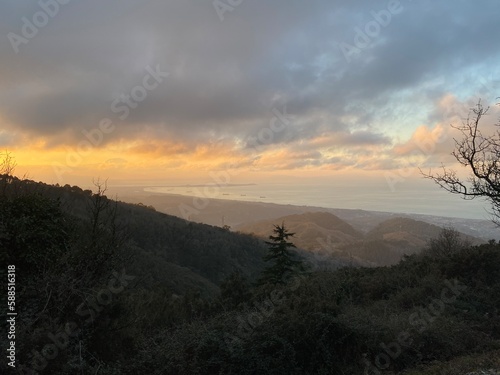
(285, 264)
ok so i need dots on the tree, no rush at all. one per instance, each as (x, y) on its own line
(7, 163)
(284, 262)
(99, 248)
(479, 153)
(7, 167)
(449, 242)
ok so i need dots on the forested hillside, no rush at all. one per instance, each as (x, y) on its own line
(209, 252)
(67, 244)
(110, 288)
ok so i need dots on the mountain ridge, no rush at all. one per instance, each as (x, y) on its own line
(323, 233)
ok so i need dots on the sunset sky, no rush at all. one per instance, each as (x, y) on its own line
(174, 91)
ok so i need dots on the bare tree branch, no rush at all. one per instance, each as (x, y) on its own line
(7, 163)
(480, 154)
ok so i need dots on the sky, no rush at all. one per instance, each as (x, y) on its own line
(177, 91)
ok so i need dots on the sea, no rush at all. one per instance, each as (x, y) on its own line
(408, 199)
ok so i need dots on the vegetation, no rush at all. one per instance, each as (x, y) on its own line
(340, 322)
(284, 263)
(448, 242)
(141, 292)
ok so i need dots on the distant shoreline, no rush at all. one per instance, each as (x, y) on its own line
(189, 185)
(314, 207)
(236, 211)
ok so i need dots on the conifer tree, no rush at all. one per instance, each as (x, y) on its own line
(284, 263)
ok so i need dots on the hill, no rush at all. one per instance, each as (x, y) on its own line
(103, 287)
(321, 236)
(414, 233)
(177, 253)
(392, 239)
(389, 241)
(329, 237)
(311, 229)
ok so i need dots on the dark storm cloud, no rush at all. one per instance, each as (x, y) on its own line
(225, 76)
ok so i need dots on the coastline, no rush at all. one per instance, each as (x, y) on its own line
(223, 211)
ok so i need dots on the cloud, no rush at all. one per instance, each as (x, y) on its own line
(225, 78)
(361, 138)
(425, 141)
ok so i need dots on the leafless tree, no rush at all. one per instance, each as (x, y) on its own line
(98, 205)
(104, 235)
(7, 163)
(7, 167)
(481, 154)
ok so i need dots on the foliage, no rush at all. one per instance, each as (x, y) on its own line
(34, 233)
(235, 290)
(175, 319)
(448, 242)
(284, 263)
(333, 322)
